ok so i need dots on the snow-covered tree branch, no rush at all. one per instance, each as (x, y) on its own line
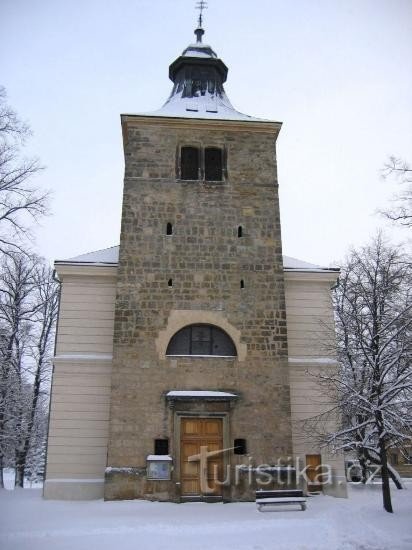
(373, 380)
(28, 310)
(401, 171)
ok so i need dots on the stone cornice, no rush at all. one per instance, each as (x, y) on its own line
(270, 127)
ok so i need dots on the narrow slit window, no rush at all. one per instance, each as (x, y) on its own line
(240, 231)
(170, 282)
(189, 168)
(169, 229)
(213, 164)
(161, 446)
(242, 283)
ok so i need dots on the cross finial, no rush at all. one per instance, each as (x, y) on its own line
(199, 32)
(201, 5)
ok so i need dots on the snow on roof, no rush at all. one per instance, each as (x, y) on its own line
(199, 393)
(294, 264)
(200, 107)
(222, 114)
(199, 49)
(158, 457)
(203, 107)
(102, 257)
(206, 105)
(110, 256)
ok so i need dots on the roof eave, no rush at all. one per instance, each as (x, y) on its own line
(312, 270)
(85, 269)
(333, 272)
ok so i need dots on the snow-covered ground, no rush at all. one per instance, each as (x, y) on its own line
(29, 522)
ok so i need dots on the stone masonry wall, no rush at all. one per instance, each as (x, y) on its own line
(206, 261)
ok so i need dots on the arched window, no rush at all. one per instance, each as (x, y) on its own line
(189, 167)
(201, 340)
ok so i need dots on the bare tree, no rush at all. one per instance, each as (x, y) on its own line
(39, 363)
(20, 202)
(16, 311)
(402, 172)
(373, 381)
(28, 310)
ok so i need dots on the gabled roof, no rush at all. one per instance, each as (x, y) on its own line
(110, 256)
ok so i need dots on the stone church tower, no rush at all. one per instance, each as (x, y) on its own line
(181, 356)
(200, 339)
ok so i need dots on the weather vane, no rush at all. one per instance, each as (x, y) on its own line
(201, 5)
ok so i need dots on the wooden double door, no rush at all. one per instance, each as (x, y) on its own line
(200, 478)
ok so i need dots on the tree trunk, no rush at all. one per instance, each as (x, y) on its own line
(386, 490)
(19, 482)
(21, 456)
(1, 473)
(395, 477)
(364, 469)
(392, 474)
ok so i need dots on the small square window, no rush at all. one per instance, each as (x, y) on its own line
(161, 447)
(240, 447)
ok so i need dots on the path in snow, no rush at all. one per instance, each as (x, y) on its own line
(358, 523)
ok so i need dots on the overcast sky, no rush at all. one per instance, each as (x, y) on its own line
(337, 73)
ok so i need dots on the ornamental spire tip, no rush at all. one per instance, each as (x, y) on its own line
(199, 32)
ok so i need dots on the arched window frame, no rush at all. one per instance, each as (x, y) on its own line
(189, 341)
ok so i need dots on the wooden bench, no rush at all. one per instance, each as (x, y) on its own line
(280, 497)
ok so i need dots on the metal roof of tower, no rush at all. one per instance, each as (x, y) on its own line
(198, 75)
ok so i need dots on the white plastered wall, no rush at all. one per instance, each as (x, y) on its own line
(310, 330)
(80, 400)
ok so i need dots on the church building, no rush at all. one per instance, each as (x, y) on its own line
(182, 355)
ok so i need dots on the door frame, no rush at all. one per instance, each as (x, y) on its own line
(226, 444)
(316, 487)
